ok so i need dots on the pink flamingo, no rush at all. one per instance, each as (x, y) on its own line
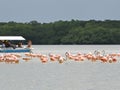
(44, 58)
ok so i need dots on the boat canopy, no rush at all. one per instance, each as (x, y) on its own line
(11, 38)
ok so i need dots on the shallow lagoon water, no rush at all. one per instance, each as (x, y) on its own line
(70, 75)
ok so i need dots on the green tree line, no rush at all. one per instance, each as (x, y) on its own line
(65, 32)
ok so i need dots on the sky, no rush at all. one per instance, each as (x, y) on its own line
(45, 11)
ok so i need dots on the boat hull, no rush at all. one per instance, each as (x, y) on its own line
(15, 50)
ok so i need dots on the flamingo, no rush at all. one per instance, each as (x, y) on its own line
(43, 58)
(54, 57)
(61, 59)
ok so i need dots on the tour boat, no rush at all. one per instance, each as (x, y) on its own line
(13, 50)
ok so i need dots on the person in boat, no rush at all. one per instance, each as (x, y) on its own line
(20, 45)
(3, 45)
(8, 44)
(29, 44)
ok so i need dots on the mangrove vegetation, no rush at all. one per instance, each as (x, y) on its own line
(65, 32)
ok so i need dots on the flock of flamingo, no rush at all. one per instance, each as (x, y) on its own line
(93, 57)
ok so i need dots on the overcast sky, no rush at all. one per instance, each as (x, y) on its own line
(54, 10)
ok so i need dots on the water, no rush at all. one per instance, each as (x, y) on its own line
(71, 75)
(61, 49)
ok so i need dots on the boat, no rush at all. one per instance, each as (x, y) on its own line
(14, 50)
(20, 50)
